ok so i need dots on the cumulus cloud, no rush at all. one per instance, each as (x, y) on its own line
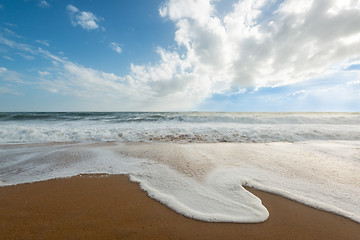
(71, 9)
(115, 47)
(252, 47)
(44, 73)
(259, 43)
(298, 41)
(247, 47)
(86, 20)
(44, 4)
(144, 88)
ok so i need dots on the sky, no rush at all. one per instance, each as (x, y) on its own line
(180, 55)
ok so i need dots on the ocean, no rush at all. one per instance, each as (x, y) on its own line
(196, 163)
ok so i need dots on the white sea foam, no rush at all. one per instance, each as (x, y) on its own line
(204, 181)
(173, 131)
(207, 202)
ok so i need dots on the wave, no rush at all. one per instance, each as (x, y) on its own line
(174, 132)
(190, 117)
(177, 127)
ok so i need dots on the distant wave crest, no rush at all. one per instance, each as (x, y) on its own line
(177, 127)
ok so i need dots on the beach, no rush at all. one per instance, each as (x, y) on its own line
(112, 207)
(179, 175)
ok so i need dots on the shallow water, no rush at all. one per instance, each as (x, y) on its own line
(204, 180)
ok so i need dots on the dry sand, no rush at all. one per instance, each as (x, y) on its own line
(111, 207)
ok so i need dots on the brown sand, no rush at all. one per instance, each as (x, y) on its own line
(111, 207)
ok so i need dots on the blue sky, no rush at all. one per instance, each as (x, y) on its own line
(180, 55)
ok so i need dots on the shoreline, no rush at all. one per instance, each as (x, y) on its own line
(112, 207)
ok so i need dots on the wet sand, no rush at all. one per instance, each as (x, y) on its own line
(111, 207)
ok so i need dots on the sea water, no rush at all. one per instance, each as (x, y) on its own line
(196, 163)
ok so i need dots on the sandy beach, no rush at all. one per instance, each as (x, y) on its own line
(112, 207)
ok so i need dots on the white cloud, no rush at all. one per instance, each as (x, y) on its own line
(8, 32)
(72, 9)
(356, 82)
(145, 88)
(10, 80)
(19, 46)
(44, 73)
(22, 49)
(8, 90)
(44, 4)
(9, 58)
(297, 93)
(86, 20)
(198, 10)
(115, 47)
(27, 57)
(11, 24)
(297, 42)
(163, 11)
(10, 76)
(43, 42)
(295, 7)
(55, 59)
(340, 6)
